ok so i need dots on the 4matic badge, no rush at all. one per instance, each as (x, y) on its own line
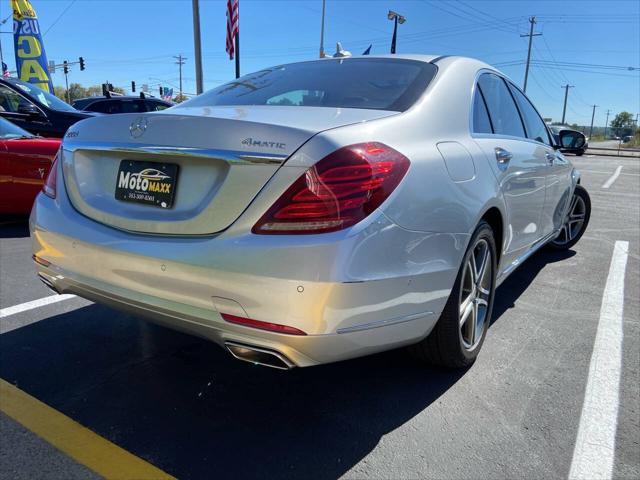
(250, 142)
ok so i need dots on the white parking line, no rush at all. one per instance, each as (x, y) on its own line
(593, 453)
(41, 302)
(613, 177)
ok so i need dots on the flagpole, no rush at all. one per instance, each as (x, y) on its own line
(237, 40)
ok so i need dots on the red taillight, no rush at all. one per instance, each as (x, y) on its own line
(337, 192)
(272, 327)
(49, 187)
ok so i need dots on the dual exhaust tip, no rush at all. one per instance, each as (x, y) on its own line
(259, 356)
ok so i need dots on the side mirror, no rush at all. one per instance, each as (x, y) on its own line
(29, 109)
(571, 141)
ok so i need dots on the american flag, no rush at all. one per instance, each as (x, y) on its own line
(232, 26)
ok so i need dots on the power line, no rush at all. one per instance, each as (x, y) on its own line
(59, 17)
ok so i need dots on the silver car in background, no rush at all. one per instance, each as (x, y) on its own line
(315, 211)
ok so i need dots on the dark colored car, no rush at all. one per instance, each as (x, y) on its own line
(575, 143)
(121, 104)
(35, 110)
(25, 161)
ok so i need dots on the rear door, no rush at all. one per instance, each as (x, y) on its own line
(558, 170)
(519, 164)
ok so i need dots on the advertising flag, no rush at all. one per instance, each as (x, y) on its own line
(31, 60)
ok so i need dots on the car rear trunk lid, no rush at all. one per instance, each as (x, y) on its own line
(221, 156)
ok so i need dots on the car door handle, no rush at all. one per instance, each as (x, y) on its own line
(550, 157)
(503, 156)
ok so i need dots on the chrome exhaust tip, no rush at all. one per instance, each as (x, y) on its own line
(259, 356)
(48, 283)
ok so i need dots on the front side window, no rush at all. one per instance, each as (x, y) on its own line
(45, 99)
(376, 83)
(10, 101)
(502, 109)
(536, 129)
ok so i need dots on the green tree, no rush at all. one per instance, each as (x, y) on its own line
(180, 98)
(623, 123)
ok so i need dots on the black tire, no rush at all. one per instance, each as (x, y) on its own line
(580, 153)
(560, 242)
(445, 345)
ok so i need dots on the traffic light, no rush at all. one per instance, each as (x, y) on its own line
(160, 88)
(133, 86)
(65, 67)
(81, 60)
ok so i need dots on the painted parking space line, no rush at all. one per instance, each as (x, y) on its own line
(71, 438)
(41, 302)
(613, 177)
(593, 454)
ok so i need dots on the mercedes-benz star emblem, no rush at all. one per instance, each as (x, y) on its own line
(138, 127)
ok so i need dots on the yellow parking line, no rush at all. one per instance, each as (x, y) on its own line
(71, 438)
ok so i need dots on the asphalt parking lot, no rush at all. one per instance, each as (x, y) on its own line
(185, 407)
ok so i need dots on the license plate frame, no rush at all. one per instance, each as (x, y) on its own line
(147, 183)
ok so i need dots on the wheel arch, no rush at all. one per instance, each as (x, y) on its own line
(493, 216)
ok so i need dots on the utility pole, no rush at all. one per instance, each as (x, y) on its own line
(592, 117)
(606, 124)
(180, 60)
(197, 45)
(532, 21)
(566, 94)
(324, 2)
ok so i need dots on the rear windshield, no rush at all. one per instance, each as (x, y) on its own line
(376, 83)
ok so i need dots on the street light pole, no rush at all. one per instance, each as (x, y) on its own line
(397, 18)
(324, 4)
(532, 21)
(566, 94)
(593, 114)
(606, 124)
(197, 45)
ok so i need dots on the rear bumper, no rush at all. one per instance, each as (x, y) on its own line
(353, 294)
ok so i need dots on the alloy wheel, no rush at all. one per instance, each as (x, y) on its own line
(475, 293)
(573, 221)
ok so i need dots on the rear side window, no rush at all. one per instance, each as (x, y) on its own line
(481, 122)
(129, 106)
(156, 106)
(376, 83)
(105, 106)
(536, 129)
(502, 109)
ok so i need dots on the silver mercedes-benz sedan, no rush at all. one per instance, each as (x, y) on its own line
(315, 211)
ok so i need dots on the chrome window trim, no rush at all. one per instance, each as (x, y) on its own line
(497, 135)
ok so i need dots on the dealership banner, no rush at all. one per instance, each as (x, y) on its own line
(31, 60)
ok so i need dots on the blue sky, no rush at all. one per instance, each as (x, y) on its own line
(135, 40)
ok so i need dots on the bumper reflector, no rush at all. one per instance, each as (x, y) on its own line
(272, 327)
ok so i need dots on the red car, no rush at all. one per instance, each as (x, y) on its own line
(25, 161)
